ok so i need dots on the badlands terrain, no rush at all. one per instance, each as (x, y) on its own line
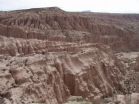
(50, 56)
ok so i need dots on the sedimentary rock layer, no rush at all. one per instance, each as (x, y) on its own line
(51, 78)
(120, 31)
(48, 55)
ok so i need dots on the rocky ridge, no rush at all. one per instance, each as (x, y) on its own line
(53, 77)
(120, 31)
(48, 55)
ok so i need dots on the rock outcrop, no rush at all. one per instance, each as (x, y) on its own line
(48, 55)
(120, 31)
(51, 78)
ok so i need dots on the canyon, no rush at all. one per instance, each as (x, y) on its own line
(48, 56)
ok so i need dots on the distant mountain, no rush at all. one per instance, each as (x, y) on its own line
(87, 11)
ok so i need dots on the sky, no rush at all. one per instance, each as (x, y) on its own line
(110, 6)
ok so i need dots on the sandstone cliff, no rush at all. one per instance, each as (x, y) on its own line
(48, 55)
(120, 31)
(51, 78)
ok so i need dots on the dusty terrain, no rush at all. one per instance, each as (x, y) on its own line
(48, 56)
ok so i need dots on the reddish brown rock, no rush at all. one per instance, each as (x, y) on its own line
(120, 31)
(88, 72)
(48, 55)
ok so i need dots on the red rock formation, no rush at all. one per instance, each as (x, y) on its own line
(47, 54)
(88, 72)
(117, 30)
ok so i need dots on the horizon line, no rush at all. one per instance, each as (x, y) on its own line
(81, 11)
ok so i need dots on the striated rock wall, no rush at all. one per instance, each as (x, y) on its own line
(48, 55)
(30, 80)
(51, 78)
(117, 30)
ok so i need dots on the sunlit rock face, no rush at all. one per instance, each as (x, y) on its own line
(48, 55)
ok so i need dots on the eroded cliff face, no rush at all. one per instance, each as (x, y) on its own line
(120, 31)
(49, 55)
(30, 80)
(91, 72)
